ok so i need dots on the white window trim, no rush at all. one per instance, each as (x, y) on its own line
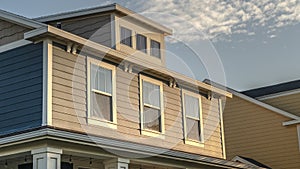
(93, 120)
(133, 38)
(147, 132)
(186, 140)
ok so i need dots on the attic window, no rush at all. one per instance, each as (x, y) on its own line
(141, 43)
(155, 49)
(126, 38)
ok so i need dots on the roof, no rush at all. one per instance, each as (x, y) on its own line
(47, 132)
(250, 161)
(102, 9)
(20, 20)
(253, 100)
(272, 89)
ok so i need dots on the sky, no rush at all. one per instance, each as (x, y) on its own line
(242, 44)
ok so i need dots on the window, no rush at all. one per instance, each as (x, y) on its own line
(141, 43)
(193, 127)
(152, 114)
(126, 36)
(101, 93)
(155, 49)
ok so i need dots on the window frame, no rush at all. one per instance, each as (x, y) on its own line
(93, 120)
(146, 46)
(148, 132)
(131, 36)
(151, 49)
(199, 143)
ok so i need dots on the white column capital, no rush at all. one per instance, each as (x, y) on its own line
(116, 163)
(46, 158)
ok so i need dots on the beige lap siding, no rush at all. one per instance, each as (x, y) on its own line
(70, 108)
(10, 32)
(258, 133)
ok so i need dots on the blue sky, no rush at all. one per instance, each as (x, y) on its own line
(246, 43)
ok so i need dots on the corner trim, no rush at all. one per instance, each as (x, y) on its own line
(47, 83)
(222, 128)
(298, 131)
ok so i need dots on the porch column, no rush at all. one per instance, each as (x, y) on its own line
(46, 158)
(117, 163)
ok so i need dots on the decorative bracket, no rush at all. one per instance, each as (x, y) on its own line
(172, 83)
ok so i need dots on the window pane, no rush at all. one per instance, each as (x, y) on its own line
(126, 37)
(151, 119)
(101, 79)
(191, 106)
(141, 43)
(193, 129)
(155, 48)
(101, 106)
(151, 94)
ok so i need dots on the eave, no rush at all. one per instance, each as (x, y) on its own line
(66, 37)
(48, 133)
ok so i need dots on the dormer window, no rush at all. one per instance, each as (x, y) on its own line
(141, 43)
(155, 49)
(126, 36)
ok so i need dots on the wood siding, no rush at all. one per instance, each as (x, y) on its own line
(21, 88)
(289, 103)
(95, 28)
(10, 32)
(70, 108)
(254, 132)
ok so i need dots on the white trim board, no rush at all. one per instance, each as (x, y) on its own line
(291, 122)
(298, 131)
(47, 83)
(14, 45)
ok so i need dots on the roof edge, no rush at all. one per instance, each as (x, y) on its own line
(20, 20)
(257, 102)
(70, 136)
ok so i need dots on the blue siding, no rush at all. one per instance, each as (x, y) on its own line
(21, 88)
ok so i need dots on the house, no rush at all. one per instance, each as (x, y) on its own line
(89, 89)
(263, 124)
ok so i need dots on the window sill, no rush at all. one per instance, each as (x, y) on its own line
(194, 143)
(102, 123)
(151, 133)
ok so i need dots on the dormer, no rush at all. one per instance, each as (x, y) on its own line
(118, 28)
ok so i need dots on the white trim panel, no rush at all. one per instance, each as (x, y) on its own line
(14, 45)
(47, 83)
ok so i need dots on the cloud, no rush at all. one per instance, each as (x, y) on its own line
(218, 19)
